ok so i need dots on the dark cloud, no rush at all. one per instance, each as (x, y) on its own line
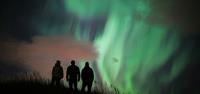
(15, 18)
(182, 13)
(24, 19)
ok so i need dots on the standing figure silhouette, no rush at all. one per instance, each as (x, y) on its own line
(73, 75)
(87, 76)
(57, 73)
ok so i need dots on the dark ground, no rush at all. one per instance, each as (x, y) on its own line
(35, 87)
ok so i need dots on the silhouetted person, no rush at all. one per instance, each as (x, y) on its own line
(87, 76)
(57, 73)
(73, 75)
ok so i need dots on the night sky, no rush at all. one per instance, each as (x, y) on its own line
(148, 46)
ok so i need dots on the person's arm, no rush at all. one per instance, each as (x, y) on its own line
(67, 74)
(52, 72)
(82, 75)
(92, 74)
(78, 74)
(61, 72)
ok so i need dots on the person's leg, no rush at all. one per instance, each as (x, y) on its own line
(83, 86)
(57, 82)
(70, 84)
(75, 85)
(52, 81)
(89, 87)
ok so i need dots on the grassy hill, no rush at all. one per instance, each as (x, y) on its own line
(35, 87)
(34, 84)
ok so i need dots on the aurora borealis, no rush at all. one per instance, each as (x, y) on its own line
(137, 46)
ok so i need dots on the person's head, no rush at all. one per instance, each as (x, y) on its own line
(57, 63)
(73, 62)
(86, 64)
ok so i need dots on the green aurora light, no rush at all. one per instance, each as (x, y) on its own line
(130, 48)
